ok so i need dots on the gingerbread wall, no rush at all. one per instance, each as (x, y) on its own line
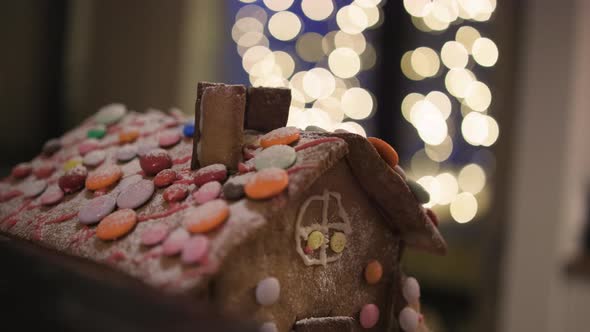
(337, 289)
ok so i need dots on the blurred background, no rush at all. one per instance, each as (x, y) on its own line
(485, 102)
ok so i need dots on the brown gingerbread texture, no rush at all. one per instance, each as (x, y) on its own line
(285, 237)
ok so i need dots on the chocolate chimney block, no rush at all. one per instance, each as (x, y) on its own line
(201, 86)
(268, 108)
(222, 125)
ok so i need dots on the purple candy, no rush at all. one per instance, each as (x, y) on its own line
(96, 209)
(208, 192)
(168, 138)
(126, 152)
(52, 196)
(33, 188)
(136, 194)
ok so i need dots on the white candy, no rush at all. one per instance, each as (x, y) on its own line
(408, 319)
(411, 290)
(94, 158)
(268, 291)
(268, 327)
(33, 188)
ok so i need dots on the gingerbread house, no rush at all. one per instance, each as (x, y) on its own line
(297, 229)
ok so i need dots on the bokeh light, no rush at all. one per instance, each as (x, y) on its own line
(425, 61)
(475, 128)
(284, 25)
(457, 81)
(357, 103)
(278, 5)
(441, 152)
(356, 42)
(472, 178)
(432, 186)
(408, 69)
(318, 83)
(454, 55)
(344, 62)
(478, 96)
(352, 19)
(317, 10)
(448, 188)
(309, 47)
(467, 35)
(485, 52)
(408, 102)
(464, 208)
(441, 101)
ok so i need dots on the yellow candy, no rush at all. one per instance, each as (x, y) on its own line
(338, 242)
(315, 240)
(68, 165)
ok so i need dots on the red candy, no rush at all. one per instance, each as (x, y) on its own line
(176, 193)
(215, 172)
(22, 170)
(73, 180)
(165, 178)
(44, 171)
(155, 161)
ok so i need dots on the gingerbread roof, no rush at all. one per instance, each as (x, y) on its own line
(123, 151)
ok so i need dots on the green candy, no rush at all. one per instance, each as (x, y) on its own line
(97, 132)
(281, 156)
(419, 192)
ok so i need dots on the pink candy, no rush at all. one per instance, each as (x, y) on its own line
(369, 316)
(209, 191)
(52, 196)
(22, 170)
(88, 145)
(195, 250)
(136, 194)
(154, 235)
(174, 243)
(168, 138)
(175, 193)
(408, 319)
(215, 172)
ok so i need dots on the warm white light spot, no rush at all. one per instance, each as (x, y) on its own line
(441, 152)
(457, 81)
(448, 188)
(441, 101)
(344, 62)
(352, 127)
(261, 42)
(250, 39)
(367, 3)
(429, 122)
(356, 42)
(247, 1)
(245, 25)
(417, 8)
(368, 58)
(474, 128)
(464, 208)
(270, 81)
(252, 11)
(425, 62)
(454, 55)
(318, 83)
(258, 59)
(467, 35)
(331, 105)
(421, 165)
(493, 132)
(407, 69)
(409, 101)
(438, 17)
(472, 178)
(485, 52)
(309, 47)
(278, 5)
(296, 86)
(478, 96)
(432, 186)
(317, 10)
(419, 24)
(472, 9)
(352, 19)
(284, 25)
(328, 42)
(374, 16)
(357, 103)
(285, 62)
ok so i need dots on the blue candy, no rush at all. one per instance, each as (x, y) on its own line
(188, 130)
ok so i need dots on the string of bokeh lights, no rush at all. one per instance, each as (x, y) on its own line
(462, 194)
(321, 70)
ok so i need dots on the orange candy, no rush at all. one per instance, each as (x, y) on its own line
(267, 183)
(386, 151)
(373, 272)
(128, 136)
(116, 224)
(206, 217)
(284, 135)
(103, 177)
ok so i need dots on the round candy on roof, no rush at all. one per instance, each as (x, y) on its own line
(116, 224)
(165, 178)
(44, 171)
(128, 135)
(188, 130)
(129, 180)
(110, 114)
(267, 183)
(52, 146)
(369, 316)
(206, 217)
(52, 196)
(103, 177)
(315, 240)
(97, 132)
(32, 189)
(154, 234)
(175, 242)
(73, 180)
(96, 209)
(195, 249)
(71, 163)
(411, 290)
(284, 135)
(168, 138)
(126, 152)
(268, 291)
(215, 172)
(373, 272)
(175, 193)
(155, 161)
(135, 195)
(281, 156)
(338, 242)
(22, 170)
(386, 151)
(408, 319)
(94, 158)
(233, 189)
(208, 192)
(88, 145)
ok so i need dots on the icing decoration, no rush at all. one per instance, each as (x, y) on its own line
(419, 192)
(172, 210)
(399, 170)
(110, 114)
(103, 177)
(195, 250)
(206, 217)
(73, 180)
(268, 291)
(127, 181)
(128, 136)
(32, 189)
(209, 191)
(168, 138)
(284, 135)
(97, 132)
(386, 151)
(269, 327)
(71, 163)
(338, 242)
(324, 226)
(188, 130)
(233, 189)
(44, 171)
(408, 319)
(22, 170)
(373, 272)
(267, 183)
(88, 145)
(175, 193)
(175, 242)
(136, 194)
(369, 316)
(96, 209)
(315, 128)
(94, 158)
(52, 146)
(215, 172)
(126, 152)
(164, 178)
(52, 196)
(411, 290)
(116, 224)
(267, 108)
(315, 240)
(281, 156)
(154, 234)
(155, 161)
